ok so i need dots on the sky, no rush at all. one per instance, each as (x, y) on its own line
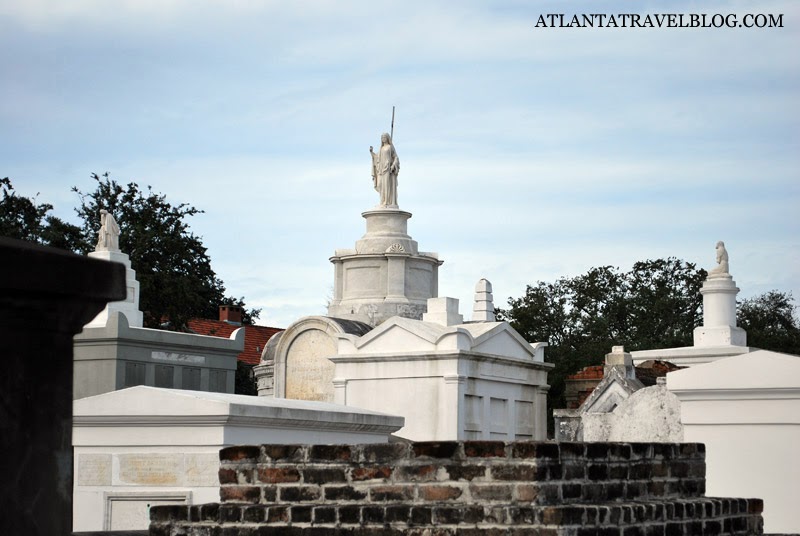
(527, 153)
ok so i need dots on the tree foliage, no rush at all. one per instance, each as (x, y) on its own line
(771, 322)
(172, 265)
(657, 304)
(25, 219)
(245, 383)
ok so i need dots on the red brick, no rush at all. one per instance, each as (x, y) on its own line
(531, 449)
(384, 452)
(491, 492)
(439, 493)
(338, 453)
(435, 449)
(249, 494)
(278, 514)
(238, 453)
(227, 476)
(527, 492)
(416, 473)
(485, 449)
(291, 453)
(370, 473)
(278, 475)
(391, 493)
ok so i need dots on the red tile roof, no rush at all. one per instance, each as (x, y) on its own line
(255, 337)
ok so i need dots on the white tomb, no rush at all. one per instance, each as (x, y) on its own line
(450, 380)
(144, 446)
(746, 409)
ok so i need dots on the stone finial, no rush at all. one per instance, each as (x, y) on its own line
(722, 268)
(483, 308)
(443, 311)
(108, 236)
(621, 360)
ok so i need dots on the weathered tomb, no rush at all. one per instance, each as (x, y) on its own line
(115, 351)
(472, 487)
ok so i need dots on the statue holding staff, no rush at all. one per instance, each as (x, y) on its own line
(108, 237)
(385, 167)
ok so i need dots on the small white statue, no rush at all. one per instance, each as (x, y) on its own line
(108, 237)
(722, 261)
(385, 168)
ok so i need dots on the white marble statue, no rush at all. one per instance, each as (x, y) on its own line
(722, 261)
(108, 237)
(385, 167)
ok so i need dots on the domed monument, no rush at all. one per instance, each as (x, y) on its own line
(385, 275)
(390, 344)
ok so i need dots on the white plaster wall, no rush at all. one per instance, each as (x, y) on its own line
(138, 476)
(501, 411)
(418, 399)
(754, 460)
(144, 445)
(596, 426)
(649, 414)
(746, 409)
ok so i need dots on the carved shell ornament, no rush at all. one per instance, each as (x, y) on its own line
(396, 248)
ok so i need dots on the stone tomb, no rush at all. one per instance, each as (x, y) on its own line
(746, 409)
(450, 379)
(117, 355)
(467, 488)
(143, 446)
(114, 351)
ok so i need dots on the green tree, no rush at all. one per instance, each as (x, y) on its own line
(771, 322)
(245, 383)
(172, 265)
(656, 304)
(23, 218)
(173, 268)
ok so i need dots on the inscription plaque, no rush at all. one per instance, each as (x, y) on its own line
(150, 469)
(202, 469)
(309, 372)
(94, 469)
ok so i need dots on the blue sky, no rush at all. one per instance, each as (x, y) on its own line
(527, 153)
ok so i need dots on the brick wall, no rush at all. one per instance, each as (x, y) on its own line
(459, 487)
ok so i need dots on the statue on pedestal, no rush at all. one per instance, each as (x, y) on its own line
(722, 261)
(385, 167)
(108, 237)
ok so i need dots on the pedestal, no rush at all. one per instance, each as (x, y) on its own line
(385, 275)
(719, 314)
(130, 305)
